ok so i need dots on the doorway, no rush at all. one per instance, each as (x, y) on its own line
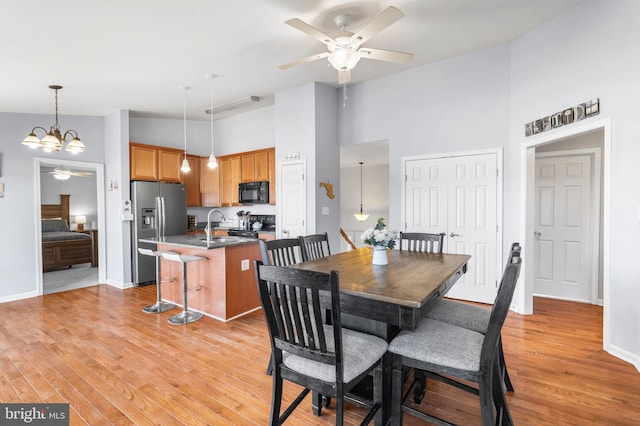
(523, 300)
(86, 181)
(567, 220)
(460, 194)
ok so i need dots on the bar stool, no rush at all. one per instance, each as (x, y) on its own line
(159, 306)
(186, 316)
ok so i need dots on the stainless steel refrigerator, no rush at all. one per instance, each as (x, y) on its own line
(159, 210)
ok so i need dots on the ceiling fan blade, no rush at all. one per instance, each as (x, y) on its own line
(304, 60)
(377, 24)
(308, 29)
(385, 55)
(344, 76)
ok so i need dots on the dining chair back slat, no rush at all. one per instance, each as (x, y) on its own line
(314, 246)
(422, 241)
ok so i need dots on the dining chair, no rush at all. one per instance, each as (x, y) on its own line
(472, 317)
(438, 348)
(314, 246)
(421, 241)
(280, 252)
(324, 358)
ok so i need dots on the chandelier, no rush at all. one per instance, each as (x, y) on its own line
(53, 139)
(361, 217)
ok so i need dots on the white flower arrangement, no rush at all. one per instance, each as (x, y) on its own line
(380, 235)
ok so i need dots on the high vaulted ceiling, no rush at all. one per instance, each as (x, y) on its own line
(124, 54)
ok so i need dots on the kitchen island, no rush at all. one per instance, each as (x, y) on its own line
(222, 286)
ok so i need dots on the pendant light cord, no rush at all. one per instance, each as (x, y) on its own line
(361, 163)
(185, 119)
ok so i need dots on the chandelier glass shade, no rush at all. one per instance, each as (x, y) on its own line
(53, 139)
(361, 217)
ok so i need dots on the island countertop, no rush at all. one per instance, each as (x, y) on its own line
(199, 241)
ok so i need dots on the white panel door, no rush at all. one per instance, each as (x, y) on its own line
(563, 243)
(292, 200)
(458, 196)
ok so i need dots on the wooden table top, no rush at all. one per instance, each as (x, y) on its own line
(410, 278)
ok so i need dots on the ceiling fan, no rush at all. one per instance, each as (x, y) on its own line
(61, 173)
(345, 48)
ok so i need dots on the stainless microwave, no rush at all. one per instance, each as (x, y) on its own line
(254, 192)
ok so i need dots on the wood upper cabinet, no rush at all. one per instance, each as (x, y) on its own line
(148, 162)
(169, 162)
(230, 176)
(191, 180)
(255, 165)
(209, 184)
(248, 165)
(143, 162)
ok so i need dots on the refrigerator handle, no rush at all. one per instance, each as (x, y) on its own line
(158, 217)
(163, 215)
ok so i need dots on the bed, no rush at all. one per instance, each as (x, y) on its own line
(60, 246)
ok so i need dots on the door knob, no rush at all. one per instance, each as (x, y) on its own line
(537, 234)
(454, 235)
(285, 231)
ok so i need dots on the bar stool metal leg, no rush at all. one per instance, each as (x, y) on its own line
(186, 316)
(159, 306)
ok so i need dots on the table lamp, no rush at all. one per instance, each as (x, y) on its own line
(80, 221)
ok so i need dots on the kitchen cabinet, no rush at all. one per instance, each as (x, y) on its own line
(209, 184)
(230, 176)
(255, 165)
(143, 162)
(191, 181)
(154, 163)
(169, 162)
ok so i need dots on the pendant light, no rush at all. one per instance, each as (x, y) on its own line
(361, 216)
(185, 163)
(213, 163)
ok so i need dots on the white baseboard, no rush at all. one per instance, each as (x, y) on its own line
(19, 296)
(119, 285)
(624, 355)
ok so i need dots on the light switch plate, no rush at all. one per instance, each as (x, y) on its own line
(325, 211)
(244, 265)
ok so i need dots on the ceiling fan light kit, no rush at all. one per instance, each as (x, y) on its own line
(53, 139)
(344, 49)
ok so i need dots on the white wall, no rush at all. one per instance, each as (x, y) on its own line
(18, 270)
(591, 52)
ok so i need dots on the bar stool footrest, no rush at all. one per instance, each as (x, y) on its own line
(185, 317)
(158, 307)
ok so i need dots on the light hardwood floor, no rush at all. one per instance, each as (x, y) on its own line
(95, 349)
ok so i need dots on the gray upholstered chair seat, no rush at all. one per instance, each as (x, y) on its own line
(360, 350)
(464, 315)
(436, 342)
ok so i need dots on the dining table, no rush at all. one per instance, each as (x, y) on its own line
(384, 299)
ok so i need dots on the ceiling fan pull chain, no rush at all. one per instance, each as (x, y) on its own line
(344, 90)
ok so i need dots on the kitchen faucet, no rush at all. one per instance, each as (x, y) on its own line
(207, 229)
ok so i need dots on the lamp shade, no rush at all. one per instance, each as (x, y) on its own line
(81, 220)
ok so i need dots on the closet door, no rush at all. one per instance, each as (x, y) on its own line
(458, 196)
